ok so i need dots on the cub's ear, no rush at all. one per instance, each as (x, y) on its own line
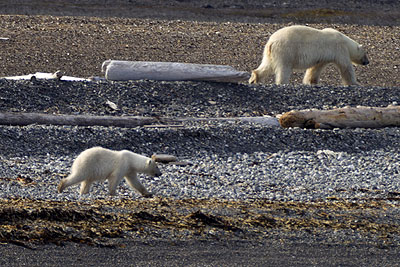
(148, 162)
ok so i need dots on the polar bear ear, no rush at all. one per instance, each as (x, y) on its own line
(148, 162)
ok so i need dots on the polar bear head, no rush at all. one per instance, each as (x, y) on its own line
(358, 55)
(152, 168)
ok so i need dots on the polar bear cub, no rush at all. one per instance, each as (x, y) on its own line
(302, 47)
(99, 164)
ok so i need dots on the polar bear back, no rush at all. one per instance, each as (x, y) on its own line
(301, 35)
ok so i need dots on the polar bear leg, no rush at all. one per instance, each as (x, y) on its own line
(113, 180)
(70, 180)
(312, 74)
(265, 69)
(282, 75)
(348, 75)
(260, 74)
(85, 187)
(62, 185)
(134, 183)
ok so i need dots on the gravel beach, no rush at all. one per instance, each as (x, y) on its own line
(312, 197)
(228, 159)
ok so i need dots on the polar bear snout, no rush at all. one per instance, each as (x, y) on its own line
(365, 60)
(157, 172)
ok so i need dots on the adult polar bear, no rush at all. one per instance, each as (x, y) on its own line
(302, 47)
(99, 164)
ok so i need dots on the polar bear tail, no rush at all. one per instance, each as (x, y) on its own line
(265, 69)
(260, 74)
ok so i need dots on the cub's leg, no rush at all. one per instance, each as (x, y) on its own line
(70, 180)
(85, 187)
(134, 183)
(113, 181)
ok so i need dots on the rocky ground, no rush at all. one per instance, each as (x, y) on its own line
(247, 187)
(79, 45)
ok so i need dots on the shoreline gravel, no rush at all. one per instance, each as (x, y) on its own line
(184, 99)
(229, 159)
(78, 46)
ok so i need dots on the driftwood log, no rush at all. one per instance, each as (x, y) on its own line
(23, 119)
(347, 117)
(119, 70)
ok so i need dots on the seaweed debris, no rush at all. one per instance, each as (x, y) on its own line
(105, 222)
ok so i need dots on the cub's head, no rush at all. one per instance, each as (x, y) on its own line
(359, 56)
(152, 168)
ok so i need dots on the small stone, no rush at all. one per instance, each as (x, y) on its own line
(112, 105)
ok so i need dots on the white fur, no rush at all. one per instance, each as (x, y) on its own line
(99, 164)
(302, 47)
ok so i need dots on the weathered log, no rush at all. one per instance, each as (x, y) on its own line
(22, 119)
(347, 117)
(118, 70)
(264, 120)
(164, 158)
